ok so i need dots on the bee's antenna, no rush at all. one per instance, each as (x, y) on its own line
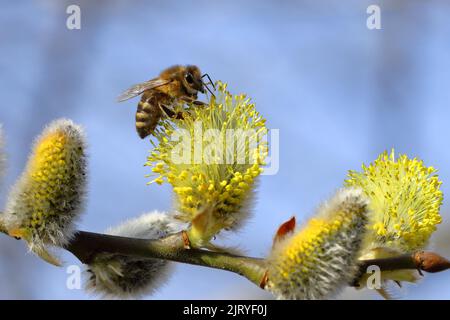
(207, 88)
(210, 82)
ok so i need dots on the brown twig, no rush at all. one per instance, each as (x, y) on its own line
(87, 245)
(420, 260)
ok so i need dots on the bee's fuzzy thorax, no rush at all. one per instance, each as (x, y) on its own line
(321, 258)
(46, 200)
(126, 277)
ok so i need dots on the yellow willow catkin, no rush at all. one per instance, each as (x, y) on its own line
(118, 276)
(212, 158)
(405, 200)
(321, 258)
(47, 198)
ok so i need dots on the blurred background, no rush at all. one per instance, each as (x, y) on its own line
(339, 93)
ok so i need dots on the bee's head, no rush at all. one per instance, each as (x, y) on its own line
(192, 80)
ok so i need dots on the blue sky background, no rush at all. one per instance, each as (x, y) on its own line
(339, 93)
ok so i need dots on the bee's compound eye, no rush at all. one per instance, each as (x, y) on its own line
(189, 78)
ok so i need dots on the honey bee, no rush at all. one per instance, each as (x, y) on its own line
(173, 85)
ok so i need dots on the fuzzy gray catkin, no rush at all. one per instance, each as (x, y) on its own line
(2, 171)
(321, 258)
(119, 276)
(2, 155)
(49, 196)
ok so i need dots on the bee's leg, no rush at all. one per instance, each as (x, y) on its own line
(179, 115)
(199, 103)
(192, 100)
(172, 114)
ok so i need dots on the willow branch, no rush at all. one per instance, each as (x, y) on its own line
(87, 245)
(420, 260)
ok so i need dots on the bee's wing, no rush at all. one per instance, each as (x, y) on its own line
(140, 88)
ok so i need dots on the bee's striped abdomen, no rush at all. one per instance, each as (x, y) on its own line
(147, 115)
